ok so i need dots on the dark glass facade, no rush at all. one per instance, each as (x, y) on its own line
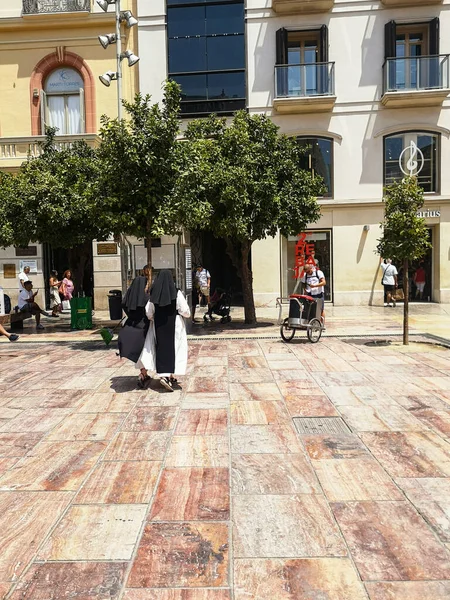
(206, 44)
(318, 159)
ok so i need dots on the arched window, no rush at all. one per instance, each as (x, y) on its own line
(62, 102)
(318, 159)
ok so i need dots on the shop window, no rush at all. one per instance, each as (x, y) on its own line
(318, 159)
(62, 102)
(319, 242)
(416, 149)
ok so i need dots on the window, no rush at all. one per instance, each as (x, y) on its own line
(427, 167)
(62, 102)
(207, 54)
(319, 160)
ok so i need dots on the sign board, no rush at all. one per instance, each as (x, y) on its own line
(429, 213)
(29, 263)
(411, 160)
(106, 248)
(304, 255)
(9, 271)
(28, 251)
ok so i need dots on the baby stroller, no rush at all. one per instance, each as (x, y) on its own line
(220, 304)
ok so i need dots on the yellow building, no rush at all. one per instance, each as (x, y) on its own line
(50, 63)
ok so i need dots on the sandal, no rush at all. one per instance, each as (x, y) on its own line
(142, 381)
(166, 383)
(173, 379)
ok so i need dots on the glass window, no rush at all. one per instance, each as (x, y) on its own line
(401, 158)
(63, 102)
(319, 160)
(318, 245)
(186, 21)
(226, 85)
(187, 54)
(193, 87)
(225, 19)
(225, 52)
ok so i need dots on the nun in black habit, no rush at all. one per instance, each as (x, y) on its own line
(132, 335)
(165, 350)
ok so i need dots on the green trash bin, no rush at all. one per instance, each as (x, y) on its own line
(81, 313)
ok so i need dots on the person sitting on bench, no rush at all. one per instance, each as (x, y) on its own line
(28, 305)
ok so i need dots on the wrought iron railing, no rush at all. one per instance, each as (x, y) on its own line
(37, 7)
(313, 79)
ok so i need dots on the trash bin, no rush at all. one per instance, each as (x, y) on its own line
(115, 305)
(81, 313)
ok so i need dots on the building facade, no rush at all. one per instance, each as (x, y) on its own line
(363, 86)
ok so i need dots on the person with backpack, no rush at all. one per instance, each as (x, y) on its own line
(389, 281)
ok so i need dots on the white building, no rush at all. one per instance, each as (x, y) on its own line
(359, 81)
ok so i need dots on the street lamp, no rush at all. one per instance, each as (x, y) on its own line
(114, 38)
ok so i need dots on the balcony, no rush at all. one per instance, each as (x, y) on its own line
(304, 88)
(14, 151)
(406, 3)
(415, 81)
(295, 7)
(39, 7)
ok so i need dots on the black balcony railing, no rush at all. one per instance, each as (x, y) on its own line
(305, 80)
(416, 73)
(37, 7)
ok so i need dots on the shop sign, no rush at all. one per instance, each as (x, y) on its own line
(304, 255)
(29, 263)
(429, 213)
(411, 160)
(107, 248)
(9, 271)
(28, 251)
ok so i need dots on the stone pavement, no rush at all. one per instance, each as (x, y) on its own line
(209, 493)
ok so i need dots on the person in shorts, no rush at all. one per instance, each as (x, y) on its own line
(27, 304)
(314, 283)
(203, 281)
(389, 281)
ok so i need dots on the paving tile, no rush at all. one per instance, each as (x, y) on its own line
(180, 555)
(53, 466)
(355, 479)
(409, 590)
(81, 581)
(138, 445)
(284, 526)
(253, 375)
(310, 406)
(192, 494)
(321, 447)
(25, 520)
(431, 497)
(7, 463)
(329, 378)
(151, 419)
(95, 532)
(202, 422)
(198, 451)
(115, 403)
(120, 483)
(254, 391)
(297, 579)
(206, 401)
(40, 420)
(291, 375)
(177, 594)
(416, 454)
(257, 413)
(380, 418)
(273, 474)
(286, 364)
(389, 541)
(207, 385)
(8, 413)
(437, 420)
(247, 362)
(269, 439)
(90, 426)
(205, 361)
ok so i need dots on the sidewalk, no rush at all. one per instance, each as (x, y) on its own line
(275, 472)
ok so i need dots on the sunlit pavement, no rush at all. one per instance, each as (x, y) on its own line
(228, 488)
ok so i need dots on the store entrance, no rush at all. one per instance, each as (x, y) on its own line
(420, 275)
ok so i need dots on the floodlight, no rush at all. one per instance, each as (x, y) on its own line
(132, 58)
(104, 4)
(127, 16)
(107, 77)
(107, 39)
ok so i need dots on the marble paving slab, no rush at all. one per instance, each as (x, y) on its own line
(254, 375)
(254, 391)
(206, 401)
(89, 426)
(110, 403)
(188, 554)
(138, 445)
(310, 406)
(247, 362)
(177, 594)
(40, 420)
(96, 532)
(202, 422)
(7, 463)
(151, 419)
(269, 439)
(78, 581)
(198, 451)
(120, 483)
(192, 494)
(297, 579)
(257, 412)
(323, 447)
(389, 541)
(409, 590)
(207, 385)
(284, 526)
(381, 418)
(273, 474)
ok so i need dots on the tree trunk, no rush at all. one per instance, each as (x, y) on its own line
(239, 253)
(79, 257)
(149, 255)
(405, 303)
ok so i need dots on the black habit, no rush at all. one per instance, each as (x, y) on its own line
(132, 334)
(163, 295)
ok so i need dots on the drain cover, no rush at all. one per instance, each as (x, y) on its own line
(378, 343)
(320, 425)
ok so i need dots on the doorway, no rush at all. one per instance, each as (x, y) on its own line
(420, 275)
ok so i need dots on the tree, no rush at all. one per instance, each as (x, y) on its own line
(246, 185)
(141, 161)
(54, 199)
(405, 235)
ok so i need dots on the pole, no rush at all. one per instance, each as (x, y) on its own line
(119, 62)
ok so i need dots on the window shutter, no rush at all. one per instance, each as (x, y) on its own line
(390, 31)
(282, 47)
(434, 37)
(82, 112)
(323, 46)
(43, 111)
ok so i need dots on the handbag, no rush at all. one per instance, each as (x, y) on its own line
(399, 295)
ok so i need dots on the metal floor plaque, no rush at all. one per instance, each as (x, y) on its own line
(321, 425)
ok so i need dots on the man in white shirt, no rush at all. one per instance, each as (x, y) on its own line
(23, 276)
(314, 282)
(389, 281)
(28, 305)
(203, 281)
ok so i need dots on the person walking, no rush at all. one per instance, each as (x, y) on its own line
(55, 300)
(67, 288)
(420, 279)
(134, 331)
(203, 281)
(390, 281)
(12, 337)
(314, 283)
(165, 350)
(23, 276)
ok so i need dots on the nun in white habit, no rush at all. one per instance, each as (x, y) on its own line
(165, 350)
